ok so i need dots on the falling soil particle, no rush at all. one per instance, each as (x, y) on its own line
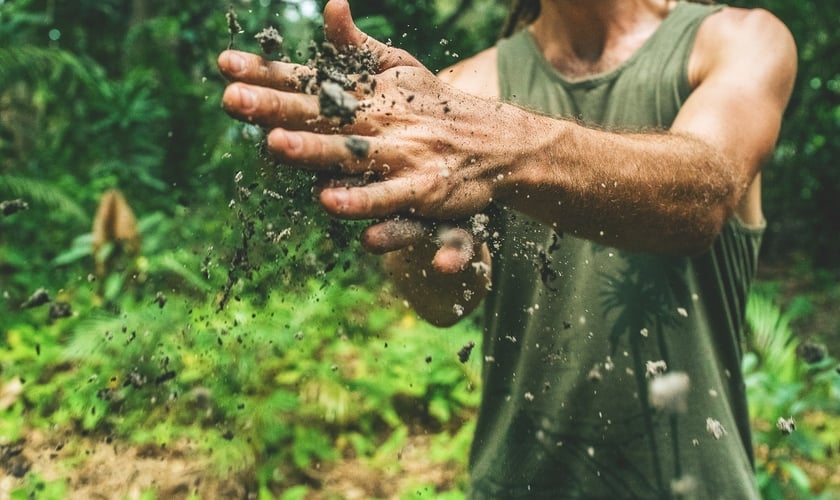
(160, 299)
(786, 425)
(38, 298)
(464, 353)
(654, 368)
(10, 207)
(358, 146)
(270, 40)
(336, 103)
(331, 79)
(715, 428)
(169, 375)
(60, 310)
(234, 28)
(332, 64)
(811, 352)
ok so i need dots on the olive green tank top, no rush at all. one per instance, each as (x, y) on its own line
(610, 374)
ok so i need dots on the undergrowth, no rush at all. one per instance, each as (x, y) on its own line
(272, 390)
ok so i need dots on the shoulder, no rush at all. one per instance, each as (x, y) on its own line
(749, 39)
(477, 75)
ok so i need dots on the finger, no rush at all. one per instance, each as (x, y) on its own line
(395, 234)
(251, 68)
(272, 108)
(325, 152)
(456, 252)
(330, 181)
(343, 32)
(379, 199)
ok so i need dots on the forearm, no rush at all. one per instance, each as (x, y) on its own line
(654, 192)
(442, 299)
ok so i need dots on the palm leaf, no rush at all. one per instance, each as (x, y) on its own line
(771, 336)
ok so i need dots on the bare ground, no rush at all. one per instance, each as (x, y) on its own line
(104, 469)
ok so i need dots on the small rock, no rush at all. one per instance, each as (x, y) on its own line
(464, 352)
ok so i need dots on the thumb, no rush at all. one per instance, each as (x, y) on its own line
(341, 31)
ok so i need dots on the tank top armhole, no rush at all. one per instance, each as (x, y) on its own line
(685, 87)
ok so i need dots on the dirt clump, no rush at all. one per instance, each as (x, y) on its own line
(38, 298)
(270, 40)
(464, 352)
(335, 103)
(9, 207)
(337, 73)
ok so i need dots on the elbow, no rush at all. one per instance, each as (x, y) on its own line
(699, 245)
(705, 217)
(705, 231)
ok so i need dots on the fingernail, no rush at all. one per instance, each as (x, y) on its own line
(235, 63)
(246, 98)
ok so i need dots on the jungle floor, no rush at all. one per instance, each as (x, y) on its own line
(95, 467)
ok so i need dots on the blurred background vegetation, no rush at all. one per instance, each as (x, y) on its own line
(249, 329)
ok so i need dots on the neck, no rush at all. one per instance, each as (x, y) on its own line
(582, 37)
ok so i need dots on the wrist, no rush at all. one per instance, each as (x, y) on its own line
(531, 162)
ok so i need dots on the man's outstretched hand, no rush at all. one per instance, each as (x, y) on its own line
(426, 148)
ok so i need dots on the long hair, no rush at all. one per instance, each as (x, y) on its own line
(523, 12)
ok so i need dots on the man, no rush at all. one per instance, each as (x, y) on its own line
(624, 215)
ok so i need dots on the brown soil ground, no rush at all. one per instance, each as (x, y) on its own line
(96, 469)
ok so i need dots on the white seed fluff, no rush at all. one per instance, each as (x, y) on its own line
(669, 392)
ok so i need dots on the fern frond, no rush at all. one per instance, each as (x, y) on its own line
(771, 335)
(38, 192)
(32, 63)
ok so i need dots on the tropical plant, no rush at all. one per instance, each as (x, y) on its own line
(794, 405)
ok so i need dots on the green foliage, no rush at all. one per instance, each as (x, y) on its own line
(780, 385)
(44, 194)
(278, 387)
(36, 487)
(438, 32)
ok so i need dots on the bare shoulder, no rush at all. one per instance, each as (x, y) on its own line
(753, 40)
(477, 75)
